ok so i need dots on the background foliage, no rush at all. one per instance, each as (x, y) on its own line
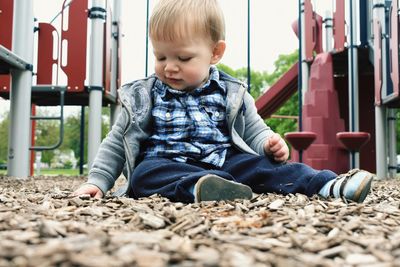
(261, 81)
(47, 134)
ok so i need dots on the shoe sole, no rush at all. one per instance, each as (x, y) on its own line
(363, 189)
(215, 188)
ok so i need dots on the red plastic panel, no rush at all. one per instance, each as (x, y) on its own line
(278, 93)
(75, 35)
(309, 30)
(6, 26)
(378, 62)
(45, 53)
(6, 23)
(313, 31)
(394, 47)
(300, 140)
(5, 83)
(318, 33)
(339, 26)
(295, 27)
(353, 141)
(315, 27)
(322, 116)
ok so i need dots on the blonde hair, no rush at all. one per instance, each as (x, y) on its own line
(178, 19)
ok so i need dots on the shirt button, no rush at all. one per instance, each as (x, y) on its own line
(168, 115)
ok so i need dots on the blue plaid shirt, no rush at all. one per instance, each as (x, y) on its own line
(190, 125)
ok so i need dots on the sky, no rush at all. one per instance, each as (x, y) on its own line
(271, 33)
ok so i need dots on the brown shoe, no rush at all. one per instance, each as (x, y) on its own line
(212, 187)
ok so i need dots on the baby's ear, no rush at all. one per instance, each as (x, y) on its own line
(218, 51)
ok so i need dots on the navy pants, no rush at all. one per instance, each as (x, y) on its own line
(174, 180)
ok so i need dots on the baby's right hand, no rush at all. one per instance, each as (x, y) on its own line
(88, 189)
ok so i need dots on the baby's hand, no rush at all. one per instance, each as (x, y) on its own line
(88, 189)
(277, 147)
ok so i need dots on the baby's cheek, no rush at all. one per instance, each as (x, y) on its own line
(158, 70)
(195, 74)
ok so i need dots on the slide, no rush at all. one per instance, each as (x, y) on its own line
(279, 93)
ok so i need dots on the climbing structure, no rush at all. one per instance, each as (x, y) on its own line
(90, 69)
(348, 89)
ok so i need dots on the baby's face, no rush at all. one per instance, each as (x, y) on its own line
(183, 64)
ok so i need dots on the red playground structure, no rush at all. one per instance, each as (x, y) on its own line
(349, 89)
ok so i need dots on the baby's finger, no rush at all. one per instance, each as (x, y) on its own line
(99, 194)
(274, 139)
(276, 147)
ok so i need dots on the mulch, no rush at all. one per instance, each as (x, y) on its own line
(41, 225)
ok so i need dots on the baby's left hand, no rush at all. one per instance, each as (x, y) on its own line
(277, 147)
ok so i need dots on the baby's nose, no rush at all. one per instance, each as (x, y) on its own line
(171, 66)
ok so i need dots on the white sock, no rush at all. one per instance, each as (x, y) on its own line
(324, 192)
(192, 189)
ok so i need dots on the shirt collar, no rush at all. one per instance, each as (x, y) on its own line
(163, 89)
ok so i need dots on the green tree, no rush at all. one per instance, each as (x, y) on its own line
(258, 78)
(282, 65)
(261, 80)
(4, 137)
(291, 107)
(47, 133)
(72, 128)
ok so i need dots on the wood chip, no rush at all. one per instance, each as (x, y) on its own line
(42, 225)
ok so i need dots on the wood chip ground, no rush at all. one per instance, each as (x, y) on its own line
(41, 225)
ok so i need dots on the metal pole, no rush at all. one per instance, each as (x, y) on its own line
(300, 76)
(248, 47)
(392, 143)
(305, 71)
(115, 108)
(380, 111)
(38, 157)
(147, 39)
(98, 13)
(20, 95)
(328, 31)
(353, 80)
(82, 141)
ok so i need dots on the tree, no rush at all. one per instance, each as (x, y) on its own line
(258, 78)
(72, 129)
(48, 131)
(261, 80)
(47, 134)
(4, 137)
(291, 107)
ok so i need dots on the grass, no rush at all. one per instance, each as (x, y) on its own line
(66, 172)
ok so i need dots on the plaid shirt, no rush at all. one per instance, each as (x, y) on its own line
(190, 125)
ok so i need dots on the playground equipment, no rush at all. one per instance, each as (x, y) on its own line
(300, 141)
(354, 79)
(344, 79)
(90, 82)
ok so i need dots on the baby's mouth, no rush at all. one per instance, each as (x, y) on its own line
(173, 79)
